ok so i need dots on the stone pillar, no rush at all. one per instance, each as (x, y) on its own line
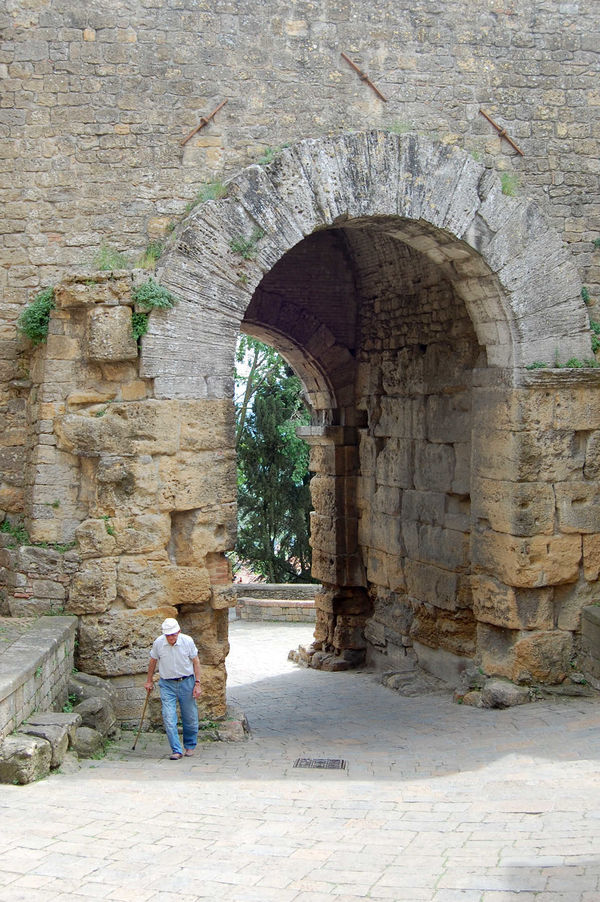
(343, 605)
(536, 520)
(144, 487)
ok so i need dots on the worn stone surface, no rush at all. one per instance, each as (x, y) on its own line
(88, 743)
(98, 713)
(430, 289)
(56, 735)
(502, 694)
(24, 759)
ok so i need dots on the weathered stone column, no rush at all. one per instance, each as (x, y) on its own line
(145, 487)
(536, 520)
(342, 605)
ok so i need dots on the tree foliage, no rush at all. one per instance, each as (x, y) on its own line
(273, 483)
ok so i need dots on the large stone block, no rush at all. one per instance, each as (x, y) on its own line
(544, 456)
(570, 600)
(110, 334)
(142, 583)
(125, 485)
(24, 759)
(93, 587)
(432, 585)
(591, 556)
(105, 288)
(515, 609)
(197, 533)
(436, 545)
(119, 642)
(542, 657)
(334, 460)
(449, 417)
(436, 629)
(188, 585)
(212, 682)
(395, 463)
(57, 735)
(207, 425)
(495, 646)
(123, 535)
(577, 409)
(424, 507)
(519, 509)
(578, 506)
(203, 479)
(334, 496)
(402, 418)
(434, 467)
(528, 562)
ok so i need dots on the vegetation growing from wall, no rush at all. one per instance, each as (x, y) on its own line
(152, 296)
(273, 482)
(35, 318)
(109, 258)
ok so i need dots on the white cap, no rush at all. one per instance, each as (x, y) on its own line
(170, 626)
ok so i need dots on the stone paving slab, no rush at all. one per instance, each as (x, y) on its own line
(12, 628)
(439, 802)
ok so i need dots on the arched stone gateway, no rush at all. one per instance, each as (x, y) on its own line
(455, 502)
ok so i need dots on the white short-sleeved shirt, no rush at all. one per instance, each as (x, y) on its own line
(174, 660)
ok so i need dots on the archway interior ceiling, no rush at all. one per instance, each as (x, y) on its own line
(323, 302)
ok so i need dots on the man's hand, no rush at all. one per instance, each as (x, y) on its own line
(148, 685)
(197, 691)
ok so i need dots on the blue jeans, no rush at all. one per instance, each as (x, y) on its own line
(171, 692)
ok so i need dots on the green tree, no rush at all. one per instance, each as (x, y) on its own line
(273, 481)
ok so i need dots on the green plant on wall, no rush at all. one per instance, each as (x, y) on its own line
(139, 324)
(151, 255)
(109, 258)
(595, 327)
(510, 183)
(246, 247)
(148, 296)
(152, 296)
(35, 318)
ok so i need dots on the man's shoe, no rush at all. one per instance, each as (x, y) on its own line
(176, 756)
(189, 753)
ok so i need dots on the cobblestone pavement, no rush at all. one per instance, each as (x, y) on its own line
(438, 802)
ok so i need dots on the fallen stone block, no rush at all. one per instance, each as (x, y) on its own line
(86, 685)
(57, 736)
(56, 718)
(88, 742)
(501, 694)
(24, 759)
(98, 713)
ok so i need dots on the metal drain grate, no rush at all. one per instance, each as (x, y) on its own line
(324, 763)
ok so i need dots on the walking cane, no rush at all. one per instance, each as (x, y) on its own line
(141, 722)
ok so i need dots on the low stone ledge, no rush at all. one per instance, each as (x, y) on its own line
(293, 591)
(277, 609)
(35, 670)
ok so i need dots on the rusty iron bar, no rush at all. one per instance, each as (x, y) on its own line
(364, 77)
(204, 121)
(502, 132)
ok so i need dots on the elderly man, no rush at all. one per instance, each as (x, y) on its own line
(179, 669)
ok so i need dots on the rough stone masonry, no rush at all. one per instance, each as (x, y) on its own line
(455, 490)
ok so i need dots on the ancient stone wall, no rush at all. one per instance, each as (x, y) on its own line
(144, 488)
(416, 358)
(97, 98)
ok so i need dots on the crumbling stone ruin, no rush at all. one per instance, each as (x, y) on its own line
(437, 323)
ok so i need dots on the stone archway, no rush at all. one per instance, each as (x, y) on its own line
(456, 510)
(436, 566)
